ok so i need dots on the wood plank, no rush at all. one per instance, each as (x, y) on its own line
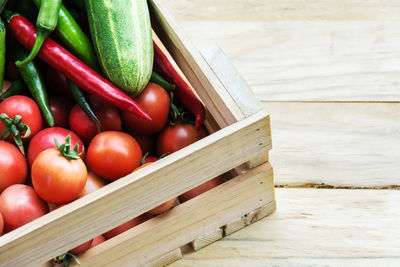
(126, 198)
(314, 227)
(185, 222)
(310, 60)
(207, 239)
(343, 144)
(270, 10)
(166, 259)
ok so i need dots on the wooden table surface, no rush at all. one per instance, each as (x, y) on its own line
(328, 71)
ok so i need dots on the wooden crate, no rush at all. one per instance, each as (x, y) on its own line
(238, 145)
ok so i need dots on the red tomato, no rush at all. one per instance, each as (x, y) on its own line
(108, 115)
(45, 139)
(93, 183)
(1, 224)
(19, 204)
(57, 179)
(147, 142)
(60, 109)
(154, 100)
(57, 83)
(27, 108)
(13, 167)
(113, 155)
(98, 240)
(163, 207)
(82, 248)
(175, 137)
(201, 189)
(126, 226)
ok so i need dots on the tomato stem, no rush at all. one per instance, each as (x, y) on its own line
(65, 149)
(14, 127)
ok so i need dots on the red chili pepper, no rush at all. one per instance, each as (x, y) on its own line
(182, 89)
(60, 59)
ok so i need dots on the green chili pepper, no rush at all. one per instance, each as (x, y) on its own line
(46, 22)
(27, 9)
(17, 88)
(156, 78)
(2, 52)
(73, 37)
(2, 5)
(30, 73)
(80, 98)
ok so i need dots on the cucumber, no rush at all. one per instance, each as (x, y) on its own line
(121, 33)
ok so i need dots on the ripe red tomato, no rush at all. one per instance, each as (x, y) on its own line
(98, 240)
(93, 183)
(147, 142)
(113, 155)
(175, 137)
(57, 179)
(82, 247)
(27, 108)
(86, 129)
(126, 226)
(154, 100)
(201, 189)
(13, 167)
(19, 204)
(45, 139)
(60, 109)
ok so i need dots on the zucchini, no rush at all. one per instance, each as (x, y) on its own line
(121, 33)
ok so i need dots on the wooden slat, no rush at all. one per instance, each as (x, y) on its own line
(126, 198)
(185, 222)
(310, 60)
(271, 10)
(342, 144)
(314, 227)
(166, 259)
(215, 97)
(207, 239)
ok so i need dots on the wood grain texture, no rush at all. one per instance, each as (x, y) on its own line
(314, 227)
(354, 144)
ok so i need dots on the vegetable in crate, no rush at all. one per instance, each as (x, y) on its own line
(2, 51)
(121, 33)
(73, 68)
(13, 167)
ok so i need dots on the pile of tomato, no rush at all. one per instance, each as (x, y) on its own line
(63, 163)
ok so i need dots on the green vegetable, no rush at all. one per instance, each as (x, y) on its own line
(30, 73)
(121, 32)
(46, 22)
(16, 88)
(157, 79)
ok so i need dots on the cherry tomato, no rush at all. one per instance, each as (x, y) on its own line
(93, 183)
(19, 204)
(1, 224)
(154, 100)
(86, 129)
(113, 155)
(201, 189)
(45, 139)
(60, 109)
(27, 108)
(175, 137)
(126, 226)
(57, 83)
(57, 179)
(163, 207)
(13, 167)
(147, 142)
(82, 248)
(98, 240)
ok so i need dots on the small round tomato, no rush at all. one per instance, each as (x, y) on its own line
(85, 128)
(27, 109)
(113, 155)
(98, 240)
(175, 137)
(93, 183)
(126, 226)
(45, 139)
(154, 100)
(201, 189)
(57, 179)
(82, 248)
(19, 204)
(13, 167)
(163, 207)
(60, 109)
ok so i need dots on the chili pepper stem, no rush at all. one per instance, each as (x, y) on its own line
(40, 37)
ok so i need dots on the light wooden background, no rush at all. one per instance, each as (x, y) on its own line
(328, 71)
